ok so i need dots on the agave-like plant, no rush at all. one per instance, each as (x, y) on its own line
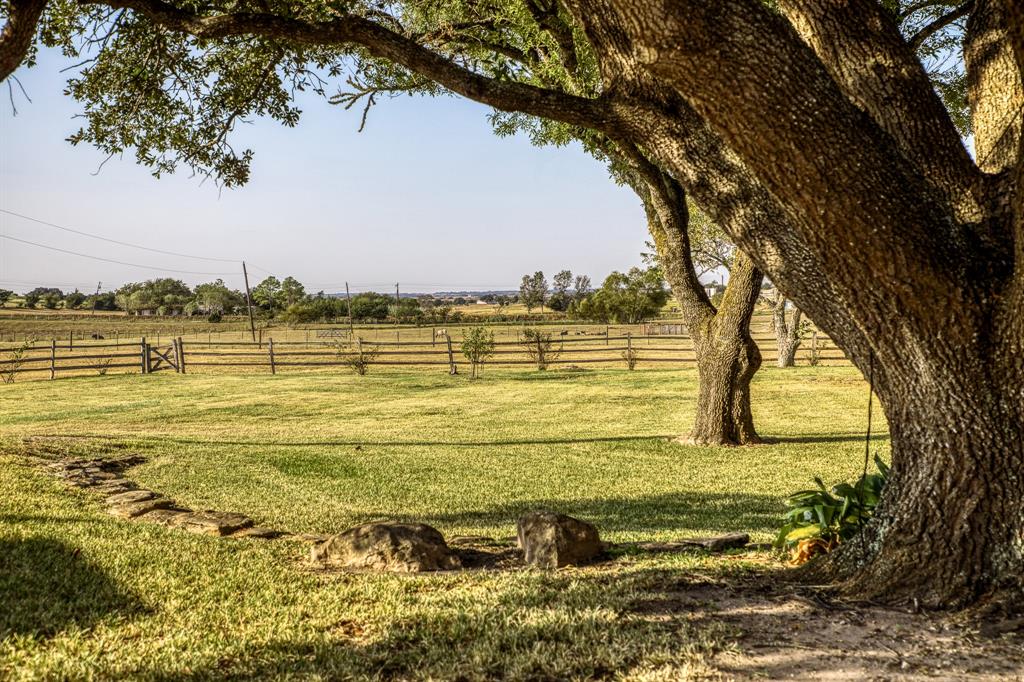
(819, 519)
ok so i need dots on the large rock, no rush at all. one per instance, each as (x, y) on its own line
(551, 540)
(388, 546)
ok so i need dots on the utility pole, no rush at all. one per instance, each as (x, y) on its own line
(351, 328)
(398, 303)
(248, 301)
(96, 298)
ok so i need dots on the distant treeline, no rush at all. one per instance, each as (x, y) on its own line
(623, 298)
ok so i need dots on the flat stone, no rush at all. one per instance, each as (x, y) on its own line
(214, 522)
(717, 543)
(83, 482)
(130, 510)
(131, 496)
(61, 467)
(258, 533)
(108, 488)
(113, 486)
(388, 546)
(102, 475)
(551, 540)
(165, 517)
(722, 542)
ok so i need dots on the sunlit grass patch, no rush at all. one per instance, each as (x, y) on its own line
(319, 453)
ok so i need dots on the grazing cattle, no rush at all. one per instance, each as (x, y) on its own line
(98, 337)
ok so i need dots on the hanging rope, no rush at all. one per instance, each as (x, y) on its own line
(867, 445)
(871, 395)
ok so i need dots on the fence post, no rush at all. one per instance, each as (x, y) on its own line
(814, 344)
(261, 340)
(453, 369)
(270, 348)
(177, 355)
(181, 355)
(606, 341)
(53, 358)
(144, 354)
(71, 340)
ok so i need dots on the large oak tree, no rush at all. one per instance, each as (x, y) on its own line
(811, 133)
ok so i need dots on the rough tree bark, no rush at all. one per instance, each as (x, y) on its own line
(923, 258)
(787, 330)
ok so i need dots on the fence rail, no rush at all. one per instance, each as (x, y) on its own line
(53, 359)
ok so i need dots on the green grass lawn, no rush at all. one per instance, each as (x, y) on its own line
(89, 595)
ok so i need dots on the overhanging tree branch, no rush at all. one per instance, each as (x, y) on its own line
(381, 42)
(930, 29)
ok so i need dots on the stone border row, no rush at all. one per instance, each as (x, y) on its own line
(126, 500)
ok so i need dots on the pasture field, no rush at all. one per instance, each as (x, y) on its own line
(284, 349)
(88, 595)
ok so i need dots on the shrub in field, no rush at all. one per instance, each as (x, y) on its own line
(102, 365)
(539, 347)
(631, 356)
(357, 359)
(14, 361)
(819, 520)
(214, 317)
(477, 346)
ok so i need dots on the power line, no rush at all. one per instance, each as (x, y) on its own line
(115, 241)
(110, 260)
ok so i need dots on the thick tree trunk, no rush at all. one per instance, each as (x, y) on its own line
(787, 331)
(727, 359)
(950, 530)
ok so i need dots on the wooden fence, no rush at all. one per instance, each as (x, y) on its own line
(53, 359)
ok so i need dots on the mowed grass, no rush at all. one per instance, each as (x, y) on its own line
(86, 595)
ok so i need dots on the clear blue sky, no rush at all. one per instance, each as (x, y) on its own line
(426, 196)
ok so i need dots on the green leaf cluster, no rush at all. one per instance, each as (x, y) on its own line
(832, 515)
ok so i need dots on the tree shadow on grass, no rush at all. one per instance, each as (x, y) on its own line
(545, 626)
(683, 512)
(678, 624)
(46, 587)
(826, 438)
(374, 443)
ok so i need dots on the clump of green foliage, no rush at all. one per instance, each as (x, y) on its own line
(539, 347)
(477, 346)
(358, 359)
(820, 519)
(15, 359)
